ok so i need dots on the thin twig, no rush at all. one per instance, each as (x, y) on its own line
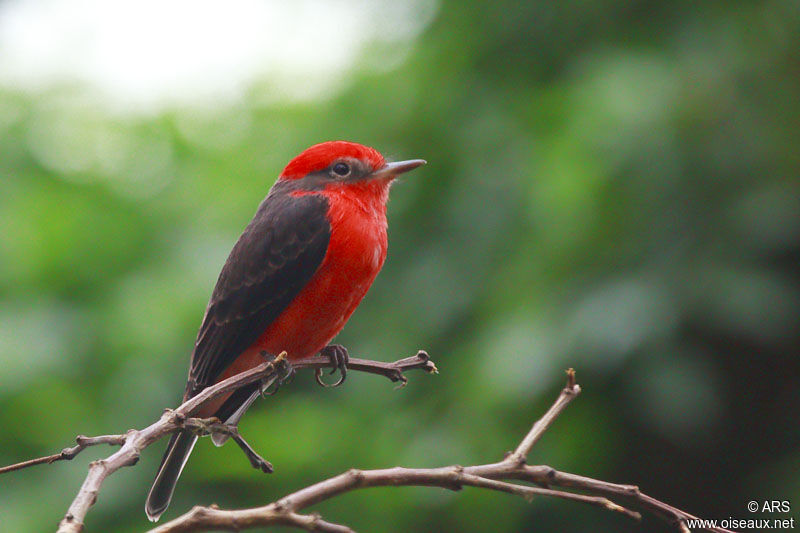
(393, 371)
(134, 441)
(492, 476)
(568, 393)
(68, 453)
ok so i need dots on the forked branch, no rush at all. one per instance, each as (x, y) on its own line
(134, 441)
(494, 476)
(503, 476)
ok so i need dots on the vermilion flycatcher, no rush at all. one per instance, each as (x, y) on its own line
(292, 280)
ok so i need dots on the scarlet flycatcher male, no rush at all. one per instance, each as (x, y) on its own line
(292, 280)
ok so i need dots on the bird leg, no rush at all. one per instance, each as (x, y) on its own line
(258, 462)
(213, 426)
(339, 359)
(285, 373)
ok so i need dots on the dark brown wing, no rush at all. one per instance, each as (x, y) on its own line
(273, 260)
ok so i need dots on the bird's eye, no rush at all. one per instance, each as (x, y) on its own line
(341, 169)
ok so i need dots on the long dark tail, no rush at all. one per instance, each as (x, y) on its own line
(178, 450)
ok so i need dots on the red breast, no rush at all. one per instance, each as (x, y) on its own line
(355, 255)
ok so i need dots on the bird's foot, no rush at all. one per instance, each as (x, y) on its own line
(256, 461)
(285, 374)
(204, 426)
(339, 357)
(218, 429)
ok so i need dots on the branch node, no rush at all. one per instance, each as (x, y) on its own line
(200, 511)
(171, 420)
(611, 506)
(458, 471)
(66, 454)
(570, 378)
(489, 476)
(356, 475)
(430, 366)
(633, 490)
(572, 388)
(282, 506)
(399, 376)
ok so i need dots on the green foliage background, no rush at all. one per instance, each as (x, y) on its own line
(611, 186)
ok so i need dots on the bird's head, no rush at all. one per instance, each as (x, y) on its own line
(342, 165)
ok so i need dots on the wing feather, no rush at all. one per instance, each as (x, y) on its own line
(276, 256)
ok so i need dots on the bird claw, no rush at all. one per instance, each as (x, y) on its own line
(256, 461)
(339, 357)
(286, 373)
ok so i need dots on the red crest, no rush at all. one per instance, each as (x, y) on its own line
(322, 155)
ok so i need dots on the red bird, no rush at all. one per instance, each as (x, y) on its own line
(292, 280)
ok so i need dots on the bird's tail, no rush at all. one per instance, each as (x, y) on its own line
(178, 450)
(233, 409)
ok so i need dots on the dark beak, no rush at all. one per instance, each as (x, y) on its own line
(390, 170)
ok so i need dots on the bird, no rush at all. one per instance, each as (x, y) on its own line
(291, 282)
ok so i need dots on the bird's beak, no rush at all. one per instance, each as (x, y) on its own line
(390, 170)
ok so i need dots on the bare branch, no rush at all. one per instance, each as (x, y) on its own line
(287, 511)
(211, 518)
(134, 441)
(393, 371)
(546, 475)
(492, 476)
(451, 477)
(68, 453)
(568, 393)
